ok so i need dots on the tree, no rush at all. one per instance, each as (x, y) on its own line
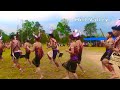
(82, 38)
(63, 30)
(12, 33)
(98, 35)
(21, 34)
(56, 35)
(90, 29)
(28, 27)
(63, 26)
(5, 37)
(44, 37)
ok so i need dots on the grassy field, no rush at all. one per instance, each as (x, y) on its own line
(93, 70)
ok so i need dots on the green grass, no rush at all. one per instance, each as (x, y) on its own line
(93, 71)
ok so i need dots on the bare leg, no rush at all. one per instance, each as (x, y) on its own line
(29, 61)
(81, 68)
(60, 61)
(39, 72)
(14, 63)
(67, 75)
(13, 60)
(105, 63)
(110, 68)
(26, 62)
(51, 61)
(114, 75)
(75, 75)
(1, 58)
(104, 68)
(18, 65)
(57, 65)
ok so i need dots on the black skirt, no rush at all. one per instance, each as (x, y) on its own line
(70, 66)
(106, 55)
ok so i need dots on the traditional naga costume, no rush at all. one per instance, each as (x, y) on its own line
(27, 55)
(38, 56)
(54, 47)
(115, 57)
(108, 51)
(38, 53)
(71, 64)
(80, 46)
(16, 54)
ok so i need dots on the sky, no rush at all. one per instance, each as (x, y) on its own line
(10, 20)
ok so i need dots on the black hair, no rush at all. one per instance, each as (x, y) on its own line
(12, 37)
(37, 39)
(27, 40)
(72, 37)
(110, 33)
(51, 35)
(116, 28)
(77, 38)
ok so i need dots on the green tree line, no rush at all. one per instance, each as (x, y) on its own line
(61, 31)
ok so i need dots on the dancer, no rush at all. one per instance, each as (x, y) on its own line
(37, 48)
(50, 53)
(106, 56)
(27, 55)
(116, 46)
(80, 49)
(71, 64)
(15, 52)
(55, 50)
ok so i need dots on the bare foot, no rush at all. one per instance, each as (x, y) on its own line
(66, 77)
(41, 77)
(114, 76)
(21, 70)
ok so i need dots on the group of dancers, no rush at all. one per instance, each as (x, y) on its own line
(75, 50)
(112, 45)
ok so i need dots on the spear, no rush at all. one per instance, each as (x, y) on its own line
(102, 32)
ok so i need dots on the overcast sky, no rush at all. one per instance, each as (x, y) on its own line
(77, 19)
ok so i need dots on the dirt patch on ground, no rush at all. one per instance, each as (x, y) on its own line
(95, 58)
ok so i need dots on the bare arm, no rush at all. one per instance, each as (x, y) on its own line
(117, 49)
(32, 50)
(108, 43)
(72, 49)
(50, 43)
(25, 45)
